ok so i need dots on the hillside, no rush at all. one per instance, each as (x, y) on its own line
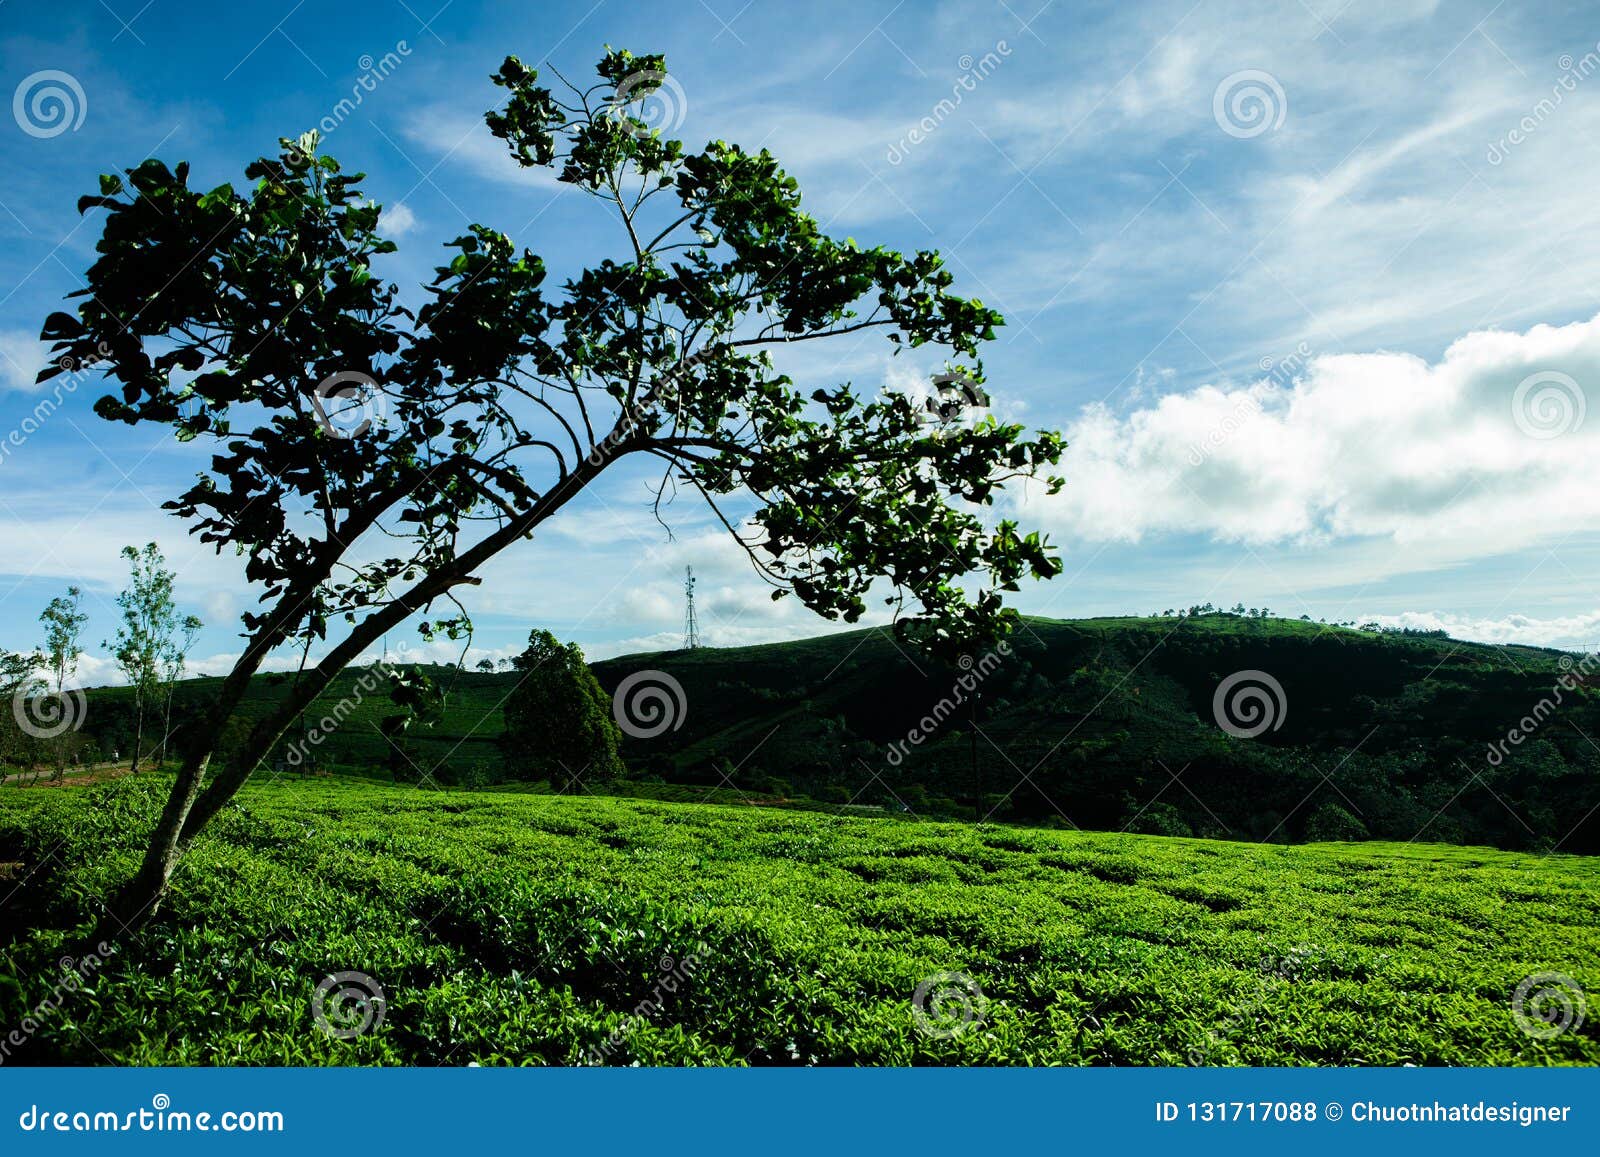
(1086, 723)
(512, 929)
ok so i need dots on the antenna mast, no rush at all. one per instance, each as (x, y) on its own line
(691, 625)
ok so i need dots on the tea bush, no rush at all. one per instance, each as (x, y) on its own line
(532, 929)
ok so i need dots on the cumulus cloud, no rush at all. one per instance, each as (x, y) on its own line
(1477, 454)
(397, 220)
(1573, 632)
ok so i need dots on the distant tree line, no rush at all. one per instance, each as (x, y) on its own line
(45, 724)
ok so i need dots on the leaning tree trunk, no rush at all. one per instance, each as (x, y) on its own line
(188, 808)
(138, 900)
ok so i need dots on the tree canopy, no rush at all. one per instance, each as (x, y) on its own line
(370, 456)
(559, 722)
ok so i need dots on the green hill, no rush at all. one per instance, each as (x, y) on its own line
(1104, 724)
(514, 929)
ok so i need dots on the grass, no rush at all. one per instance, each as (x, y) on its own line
(512, 929)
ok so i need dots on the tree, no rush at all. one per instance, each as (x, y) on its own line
(486, 666)
(173, 661)
(63, 626)
(1332, 822)
(452, 431)
(559, 722)
(18, 680)
(144, 640)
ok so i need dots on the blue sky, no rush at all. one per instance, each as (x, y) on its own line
(1310, 286)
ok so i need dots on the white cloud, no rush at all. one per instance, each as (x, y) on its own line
(1574, 632)
(22, 356)
(459, 138)
(1441, 456)
(397, 220)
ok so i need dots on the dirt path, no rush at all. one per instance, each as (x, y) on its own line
(75, 777)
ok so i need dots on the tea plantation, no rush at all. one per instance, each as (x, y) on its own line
(1100, 711)
(520, 929)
